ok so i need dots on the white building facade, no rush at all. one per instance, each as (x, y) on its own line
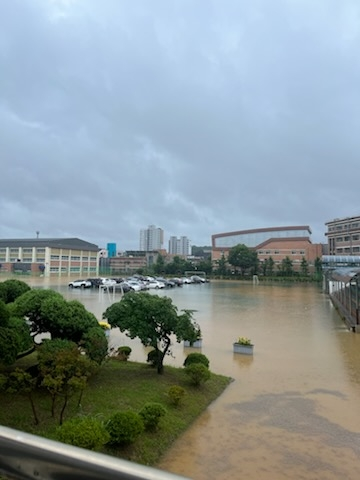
(151, 238)
(179, 246)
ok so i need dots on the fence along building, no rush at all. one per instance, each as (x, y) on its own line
(49, 257)
(278, 243)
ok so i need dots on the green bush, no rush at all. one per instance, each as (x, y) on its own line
(175, 394)
(84, 432)
(153, 357)
(124, 352)
(198, 373)
(151, 413)
(124, 427)
(196, 358)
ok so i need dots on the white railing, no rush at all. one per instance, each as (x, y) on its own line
(26, 456)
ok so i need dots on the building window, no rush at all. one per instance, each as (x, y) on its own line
(75, 258)
(40, 259)
(40, 250)
(64, 257)
(93, 259)
(54, 269)
(54, 257)
(27, 250)
(74, 269)
(293, 252)
(85, 259)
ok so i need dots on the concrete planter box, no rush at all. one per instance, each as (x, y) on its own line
(244, 349)
(196, 344)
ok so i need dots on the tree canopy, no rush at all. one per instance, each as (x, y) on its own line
(12, 289)
(153, 319)
(46, 311)
(243, 258)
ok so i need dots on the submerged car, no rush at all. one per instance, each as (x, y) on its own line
(80, 284)
(155, 284)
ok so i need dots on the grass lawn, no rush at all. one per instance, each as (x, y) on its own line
(117, 386)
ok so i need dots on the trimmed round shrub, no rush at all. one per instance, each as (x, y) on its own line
(198, 373)
(196, 358)
(124, 427)
(124, 352)
(84, 432)
(151, 413)
(176, 394)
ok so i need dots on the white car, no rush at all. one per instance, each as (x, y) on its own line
(108, 281)
(135, 286)
(80, 284)
(155, 284)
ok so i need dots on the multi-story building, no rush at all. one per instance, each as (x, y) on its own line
(179, 246)
(49, 257)
(151, 238)
(277, 242)
(343, 236)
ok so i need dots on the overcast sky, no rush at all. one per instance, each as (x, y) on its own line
(197, 116)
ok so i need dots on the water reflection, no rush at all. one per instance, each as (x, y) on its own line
(292, 411)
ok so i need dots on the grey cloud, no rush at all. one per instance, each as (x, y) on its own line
(198, 117)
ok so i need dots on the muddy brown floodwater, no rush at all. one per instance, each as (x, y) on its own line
(292, 411)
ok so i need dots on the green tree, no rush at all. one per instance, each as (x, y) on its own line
(304, 267)
(243, 258)
(221, 266)
(318, 268)
(63, 370)
(159, 266)
(153, 319)
(21, 382)
(270, 265)
(176, 267)
(47, 311)
(286, 267)
(14, 336)
(12, 289)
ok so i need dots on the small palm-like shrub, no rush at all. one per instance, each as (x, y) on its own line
(151, 413)
(196, 358)
(84, 432)
(176, 394)
(124, 427)
(198, 373)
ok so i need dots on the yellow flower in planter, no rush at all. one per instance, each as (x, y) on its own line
(244, 341)
(105, 326)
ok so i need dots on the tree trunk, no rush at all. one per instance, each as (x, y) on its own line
(33, 409)
(160, 366)
(63, 409)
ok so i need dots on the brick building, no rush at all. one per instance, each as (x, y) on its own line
(278, 243)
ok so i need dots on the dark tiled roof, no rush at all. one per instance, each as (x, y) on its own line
(68, 243)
